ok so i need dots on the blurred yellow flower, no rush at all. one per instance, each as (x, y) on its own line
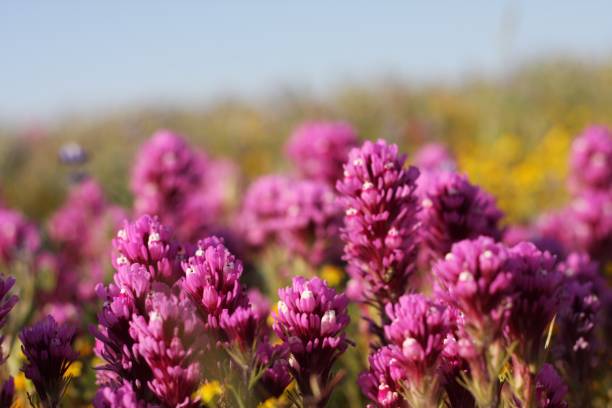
(209, 391)
(332, 274)
(75, 369)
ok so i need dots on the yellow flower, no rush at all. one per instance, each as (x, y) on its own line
(83, 346)
(332, 274)
(20, 381)
(209, 391)
(75, 369)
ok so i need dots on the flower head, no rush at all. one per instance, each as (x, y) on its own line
(536, 287)
(434, 157)
(170, 341)
(48, 348)
(382, 382)
(476, 278)
(418, 327)
(380, 220)
(212, 280)
(453, 210)
(311, 319)
(320, 148)
(122, 395)
(550, 388)
(149, 243)
(591, 160)
(17, 235)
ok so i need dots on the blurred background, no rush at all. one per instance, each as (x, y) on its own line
(507, 84)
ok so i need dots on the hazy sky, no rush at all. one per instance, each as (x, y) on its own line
(58, 57)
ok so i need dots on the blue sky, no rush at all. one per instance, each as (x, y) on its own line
(59, 57)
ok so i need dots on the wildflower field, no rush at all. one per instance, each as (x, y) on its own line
(384, 246)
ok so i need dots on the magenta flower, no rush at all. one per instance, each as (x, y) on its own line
(18, 236)
(591, 160)
(453, 210)
(212, 280)
(311, 319)
(381, 384)
(244, 326)
(170, 340)
(301, 216)
(381, 217)
(82, 229)
(48, 349)
(550, 389)
(276, 376)
(476, 278)
(170, 179)
(149, 243)
(7, 302)
(536, 287)
(418, 327)
(120, 396)
(319, 149)
(7, 393)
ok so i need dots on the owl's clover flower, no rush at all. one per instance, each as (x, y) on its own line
(310, 320)
(381, 384)
(169, 179)
(7, 393)
(48, 349)
(536, 286)
(17, 235)
(149, 243)
(550, 389)
(418, 327)
(212, 281)
(120, 396)
(591, 160)
(301, 216)
(476, 278)
(434, 157)
(170, 341)
(453, 210)
(277, 375)
(378, 195)
(7, 302)
(319, 149)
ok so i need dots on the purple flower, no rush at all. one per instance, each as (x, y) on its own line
(591, 160)
(311, 319)
(7, 393)
(453, 210)
(550, 389)
(418, 328)
(120, 396)
(302, 216)
(319, 149)
(536, 287)
(149, 243)
(17, 236)
(82, 229)
(312, 222)
(476, 278)
(276, 376)
(264, 210)
(170, 179)
(6, 305)
(48, 349)
(381, 217)
(244, 326)
(585, 225)
(212, 281)
(170, 339)
(382, 382)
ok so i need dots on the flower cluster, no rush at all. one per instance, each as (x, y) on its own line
(453, 210)
(82, 229)
(380, 221)
(48, 348)
(319, 149)
(591, 160)
(179, 184)
(17, 236)
(310, 320)
(301, 216)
